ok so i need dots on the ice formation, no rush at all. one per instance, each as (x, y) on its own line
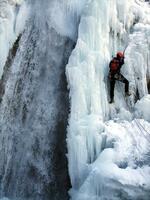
(34, 102)
(141, 108)
(13, 15)
(108, 147)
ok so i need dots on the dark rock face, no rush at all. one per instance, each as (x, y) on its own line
(33, 115)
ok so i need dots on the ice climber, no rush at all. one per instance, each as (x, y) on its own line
(114, 74)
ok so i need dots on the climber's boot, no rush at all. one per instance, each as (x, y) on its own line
(111, 101)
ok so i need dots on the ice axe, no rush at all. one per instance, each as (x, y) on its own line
(123, 51)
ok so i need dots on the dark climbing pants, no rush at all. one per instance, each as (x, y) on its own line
(118, 77)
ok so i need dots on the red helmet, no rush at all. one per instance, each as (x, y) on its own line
(120, 54)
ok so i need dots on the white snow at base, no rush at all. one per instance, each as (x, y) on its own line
(108, 147)
(13, 15)
(115, 168)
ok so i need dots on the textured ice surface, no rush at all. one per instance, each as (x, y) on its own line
(34, 107)
(13, 15)
(108, 148)
(63, 16)
(6, 31)
(142, 108)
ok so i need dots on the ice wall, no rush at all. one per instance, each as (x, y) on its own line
(34, 102)
(99, 161)
(34, 105)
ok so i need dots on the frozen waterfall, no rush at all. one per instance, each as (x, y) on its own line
(108, 145)
(108, 152)
(34, 100)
